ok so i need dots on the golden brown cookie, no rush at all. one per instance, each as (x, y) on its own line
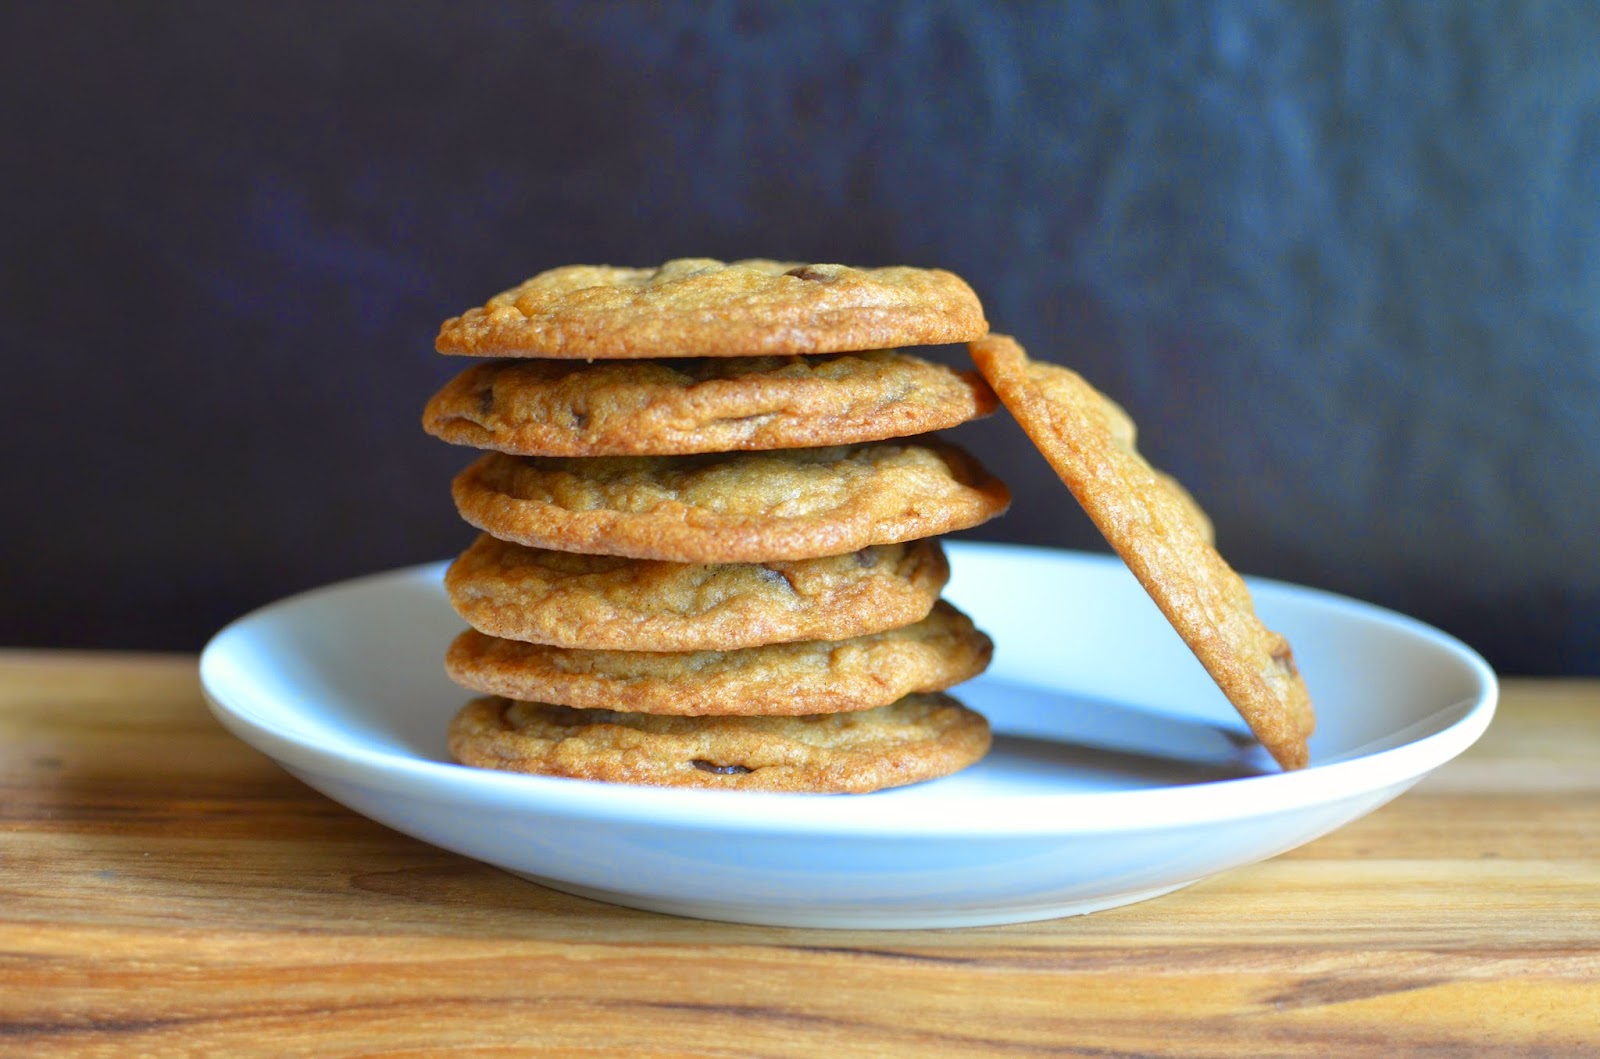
(741, 507)
(701, 404)
(1154, 529)
(784, 679)
(917, 738)
(700, 307)
(609, 603)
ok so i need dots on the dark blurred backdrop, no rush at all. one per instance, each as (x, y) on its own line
(1339, 260)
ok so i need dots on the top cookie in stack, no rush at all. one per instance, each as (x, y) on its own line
(708, 516)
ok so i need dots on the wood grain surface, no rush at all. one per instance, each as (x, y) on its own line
(166, 890)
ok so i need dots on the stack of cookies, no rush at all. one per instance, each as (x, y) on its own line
(709, 506)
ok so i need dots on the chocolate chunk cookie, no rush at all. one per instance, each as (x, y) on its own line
(610, 603)
(1155, 530)
(917, 738)
(786, 679)
(702, 307)
(731, 507)
(702, 404)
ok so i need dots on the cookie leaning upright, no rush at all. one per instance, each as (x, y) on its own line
(1163, 537)
(704, 307)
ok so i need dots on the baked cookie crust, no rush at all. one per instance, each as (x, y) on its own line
(786, 679)
(731, 507)
(917, 738)
(705, 307)
(701, 404)
(604, 602)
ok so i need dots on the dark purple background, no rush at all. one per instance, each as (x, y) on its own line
(1339, 261)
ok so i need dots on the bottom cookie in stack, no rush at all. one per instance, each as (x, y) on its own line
(916, 738)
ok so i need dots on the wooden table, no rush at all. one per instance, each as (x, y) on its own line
(166, 890)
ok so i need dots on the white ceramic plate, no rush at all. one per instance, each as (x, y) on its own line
(1118, 771)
